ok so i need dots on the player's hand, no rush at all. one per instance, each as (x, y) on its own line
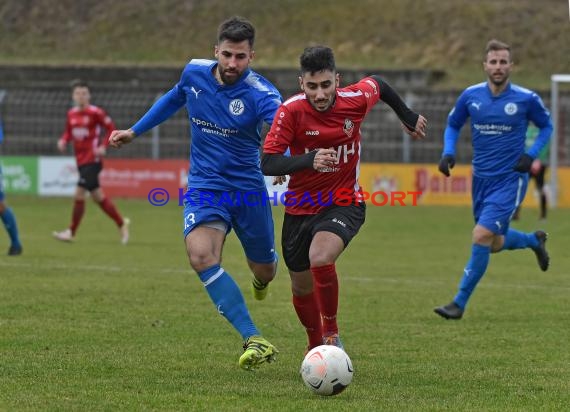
(325, 158)
(535, 167)
(419, 132)
(524, 164)
(445, 164)
(121, 137)
(61, 145)
(279, 180)
(100, 151)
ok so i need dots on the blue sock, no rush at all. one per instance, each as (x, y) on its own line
(519, 240)
(9, 221)
(472, 273)
(228, 299)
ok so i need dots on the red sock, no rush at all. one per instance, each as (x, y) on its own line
(109, 208)
(309, 315)
(326, 291)
(77, 215)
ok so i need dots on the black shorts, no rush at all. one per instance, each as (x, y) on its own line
(298, 231)
(89, 176)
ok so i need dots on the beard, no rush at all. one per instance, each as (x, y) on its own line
(322, 105)
(499, 80)
(229, 77)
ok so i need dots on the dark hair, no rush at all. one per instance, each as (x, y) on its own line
(496, 45)
(78, 83)
(317, 58)
(236, 29)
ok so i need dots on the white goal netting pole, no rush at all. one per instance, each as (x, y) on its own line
(554, 109)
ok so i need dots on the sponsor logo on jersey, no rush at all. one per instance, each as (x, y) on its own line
(212, 128)
(311, 132)
(492, 129)
(80, 133)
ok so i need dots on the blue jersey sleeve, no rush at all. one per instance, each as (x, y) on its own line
(161, 110)
(450, 136)
(540, 116)
(269, 106)
(459, 114)
(455, 121)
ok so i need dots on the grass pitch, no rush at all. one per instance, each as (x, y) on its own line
(95, 325)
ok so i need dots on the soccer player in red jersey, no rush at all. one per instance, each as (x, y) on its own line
(83, 128)
(321, 126)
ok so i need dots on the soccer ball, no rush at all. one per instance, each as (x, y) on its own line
(327, 370)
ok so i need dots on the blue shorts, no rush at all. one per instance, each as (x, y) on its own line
(495, 200)
(248, 213)
(1, 186)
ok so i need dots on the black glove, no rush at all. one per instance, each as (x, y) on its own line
(524, 164)
(447, 162)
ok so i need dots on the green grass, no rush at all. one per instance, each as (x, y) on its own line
(95, 326)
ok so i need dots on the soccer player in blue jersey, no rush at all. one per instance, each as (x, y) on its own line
(227, 104)
(7, 216)
(499, 112)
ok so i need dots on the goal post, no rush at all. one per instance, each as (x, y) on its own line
(555, 111)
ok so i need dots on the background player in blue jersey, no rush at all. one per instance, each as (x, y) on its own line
(499, 112)
(7, 216)
(227, 104)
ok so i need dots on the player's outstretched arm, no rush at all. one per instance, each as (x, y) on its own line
(413, 124)
(120, 137)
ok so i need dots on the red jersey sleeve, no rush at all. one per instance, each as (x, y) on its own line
(282, 132)
(107, 123)
(371, 91)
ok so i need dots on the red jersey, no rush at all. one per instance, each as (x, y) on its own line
(301, 128)
(84, 128)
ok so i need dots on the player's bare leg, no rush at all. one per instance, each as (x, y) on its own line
(107, 205)
(78, 211)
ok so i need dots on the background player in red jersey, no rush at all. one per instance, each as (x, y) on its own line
(322, 129)
(83, 128)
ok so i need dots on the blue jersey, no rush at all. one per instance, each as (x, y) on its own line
(498, 126)
(226, 122)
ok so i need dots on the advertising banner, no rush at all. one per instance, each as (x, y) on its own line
(57, 176)
(20, 174)
(141, 177)
(436, 189)
(384, 183)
